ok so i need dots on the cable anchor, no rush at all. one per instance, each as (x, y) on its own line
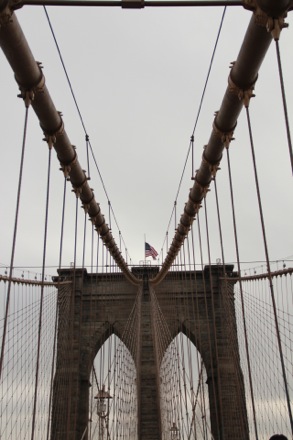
(86, 205)
(226, 137)
(66, 167)
(28, 95)
(78, 189)
(213, 166)
(267, 18)
(243, 94)
(204, 188)
(51, 138)
(275, 25)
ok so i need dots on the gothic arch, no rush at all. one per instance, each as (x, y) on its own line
(100, 311)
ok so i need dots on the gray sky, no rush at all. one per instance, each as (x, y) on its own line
(138, 76)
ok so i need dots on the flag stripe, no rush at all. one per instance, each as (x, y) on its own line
(150, 251)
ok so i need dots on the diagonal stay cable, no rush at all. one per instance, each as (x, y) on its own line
(30, 79)
(41, 305)
(241, 81)
(79, 112)
(198, 113)
(202, 97)
(286, 117)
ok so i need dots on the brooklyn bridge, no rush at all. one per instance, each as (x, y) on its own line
(170, 112)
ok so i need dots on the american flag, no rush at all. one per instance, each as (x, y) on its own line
(150, 251)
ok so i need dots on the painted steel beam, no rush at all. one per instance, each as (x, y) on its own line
(131, 4)
(140, 4)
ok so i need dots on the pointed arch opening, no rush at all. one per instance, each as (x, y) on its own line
(184, 392)
(113, 393)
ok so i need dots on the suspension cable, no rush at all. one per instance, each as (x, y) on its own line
(217, 415)
(284, 102)
(87, 138)
(269, 269)
(241, 295)
(71, 324)
(191, 144)
(215, 330)
(14, 237)
(84, 239)
(56, 313)
(42, 294)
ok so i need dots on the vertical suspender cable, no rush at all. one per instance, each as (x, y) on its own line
(62, 223)
(80, 306)
(200, 337)
(14, 240)
(42, 296)
(71, 329)
(56, 314)
(242, 297)
(219, 386)
(109, 204)
(92, 250)
(175, 214)
(269, 271)
(219, 222)
(75, 233)
(84, 239)
(192, 155)
(98, 251)
(208, 328)
(87, 139)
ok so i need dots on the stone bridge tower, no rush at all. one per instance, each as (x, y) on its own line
(98, 305)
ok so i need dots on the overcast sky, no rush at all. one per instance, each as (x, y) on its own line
(138, 76)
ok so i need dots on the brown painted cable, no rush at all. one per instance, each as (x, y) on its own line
(284, 103)
(269, 269)
(241, 295)
(42, 295)
(208, 326)
(57, 309)
(14, 239)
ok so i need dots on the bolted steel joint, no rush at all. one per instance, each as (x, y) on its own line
(77, 191)
(275, 25)
(86, 205)
(94, 219)
(213, 166)
(269, 14)
(203, 188)
(226, 137)
(51, 140)
(243, 95)
(66, 167)
(27, 96)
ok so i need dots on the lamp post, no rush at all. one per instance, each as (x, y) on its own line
(174, 432)
(103, 398)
